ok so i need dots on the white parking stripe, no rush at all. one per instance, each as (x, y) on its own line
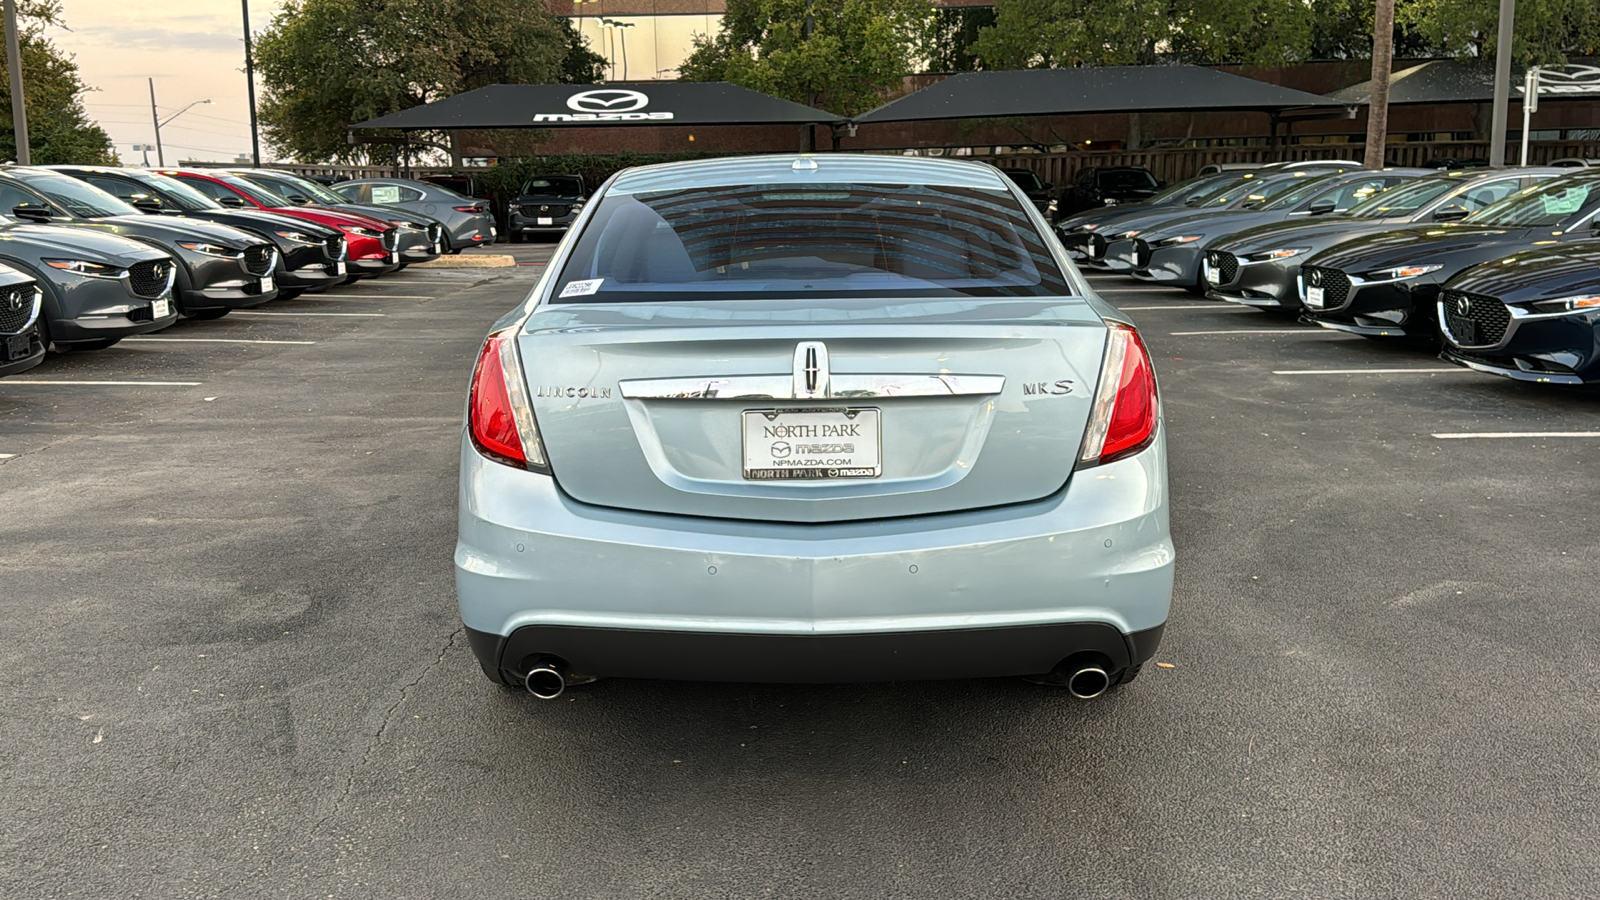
(1369, 371)
(251, 312)
(8, 456)
(11, 381)
(1507, 434)
(1308, 332)
(1143, 290)
(162, 340)
(1227, 306)
(378, 297)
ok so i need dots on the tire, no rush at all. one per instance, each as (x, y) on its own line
(205, 314)
(289, 293)
(514, 237)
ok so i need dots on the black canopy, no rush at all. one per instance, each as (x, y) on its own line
(1472, 81)
(617, 103)
(1112, 89)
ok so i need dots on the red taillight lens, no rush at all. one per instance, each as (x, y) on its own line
(499, 418)
(468, 209)
(1123, 419)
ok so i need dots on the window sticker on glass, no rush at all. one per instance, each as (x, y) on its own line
(581, 288)
(1566, 202)
(385, 193)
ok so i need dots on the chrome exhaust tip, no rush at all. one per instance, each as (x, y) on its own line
(547, 680)
(1088, 682)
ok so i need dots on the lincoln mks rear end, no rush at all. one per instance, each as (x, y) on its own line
(813, 419)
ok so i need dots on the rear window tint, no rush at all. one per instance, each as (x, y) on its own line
(785, 241)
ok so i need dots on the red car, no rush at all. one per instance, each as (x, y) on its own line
(374, 244)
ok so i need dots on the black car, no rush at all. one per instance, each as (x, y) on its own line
(21, 303)
(1075, 231)
(1035, 187)
(1098, 186)
(1385, 285)
(547, 204)
(220, 268)
(1260, 266)
(310, 256)
(1532, 316)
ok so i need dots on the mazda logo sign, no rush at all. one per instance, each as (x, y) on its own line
(1463, 305)
(1316, 277)
(610, 100)
(14, 302)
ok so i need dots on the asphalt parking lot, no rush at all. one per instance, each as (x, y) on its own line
(234, 666)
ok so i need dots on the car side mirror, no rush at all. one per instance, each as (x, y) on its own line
(147, 204)
(1451, 213)
(1321, 208)
(33, 212)
(234, 202)
(296, 198)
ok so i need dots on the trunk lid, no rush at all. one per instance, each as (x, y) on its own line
(976, 403)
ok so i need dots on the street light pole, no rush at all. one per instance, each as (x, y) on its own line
(250, 81)
(1502, 84)
(19, 102)
(155, 121)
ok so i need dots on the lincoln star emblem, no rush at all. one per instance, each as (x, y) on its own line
(1464, 305)
(811, 375)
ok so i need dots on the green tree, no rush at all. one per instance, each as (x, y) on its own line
(59, 129)
(856, 53)
(955, 30)
(1547, 31)
(1051, 33)
(327, 64)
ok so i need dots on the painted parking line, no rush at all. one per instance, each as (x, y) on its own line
(1407, 371)
(163, 340)
(1498, 435)
(11, 381)
(1140, 290)
(8, 456)
(1227, 306)
(380, 297)
(252, 312)
(1300, 331)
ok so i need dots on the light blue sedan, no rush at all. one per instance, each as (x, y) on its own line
(813, 419)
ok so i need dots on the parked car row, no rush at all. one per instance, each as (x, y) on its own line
(1499, 269)
(90, 255)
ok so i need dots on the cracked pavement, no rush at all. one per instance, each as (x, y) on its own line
(234, 667)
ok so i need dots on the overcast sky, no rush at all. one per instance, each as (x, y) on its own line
(195, 51)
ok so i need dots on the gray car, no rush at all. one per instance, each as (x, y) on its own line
(97, 288)
(221, 268)
(813, 418)
(467, 222)
(421, 236)
(21, 303)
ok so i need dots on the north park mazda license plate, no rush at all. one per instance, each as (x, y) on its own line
(781, 444)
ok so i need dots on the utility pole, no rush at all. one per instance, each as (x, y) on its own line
(1378, 99)
(155, 120)
(1502, 84)
(808, 140)
(19, 102)
(250, 81)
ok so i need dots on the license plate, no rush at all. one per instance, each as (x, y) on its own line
(1465, 331)
(391, 258)
(438, 248)
(1314, 297)
(337, 267)
(1210, 272)
(546, 220)
(784, 444)
(161, 308)
(266, 284)
(17, 346)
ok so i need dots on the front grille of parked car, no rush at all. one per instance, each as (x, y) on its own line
(1487, 316)
(1225, 264)
(258, 259)
(391, 239)
(548, 210)
(1141, 253)
(336, 247)
(1334, 283)
(16, 308)
(1097, 246)
(149, 279)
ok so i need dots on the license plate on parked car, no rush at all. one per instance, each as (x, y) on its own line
(1314, 297)
(17, 346)
(161, 308)
(1210, 272)
(546, 220)
(783, 444)
(266, 284)
(1465, 331)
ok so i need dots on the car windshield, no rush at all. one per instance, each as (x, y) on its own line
(262, 195)
(307, 187)
(554, 186)
(79, 198)
(1186, 188)
(1225, 192)
(1539, 207)
(1127, 180)
(175, 192)
(1407, 198)
(1025, 179)
(1259, 193)
(1296, 193)
(817, 240)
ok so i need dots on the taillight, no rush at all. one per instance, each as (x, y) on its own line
(468, 209)
(1123, 419)
(499, 417)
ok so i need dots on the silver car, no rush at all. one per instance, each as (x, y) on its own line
(467, 222)
(813, 419)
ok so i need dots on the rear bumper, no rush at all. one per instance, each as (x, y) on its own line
(1017, 588)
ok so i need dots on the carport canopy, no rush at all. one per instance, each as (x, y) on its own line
(617, 103)
(1110, 89)
(1472, 81)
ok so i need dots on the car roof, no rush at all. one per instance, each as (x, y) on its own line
(830, 168)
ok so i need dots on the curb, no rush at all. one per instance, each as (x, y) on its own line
(463, 261)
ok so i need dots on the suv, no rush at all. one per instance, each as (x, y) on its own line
(547, 204)
(1099, 186)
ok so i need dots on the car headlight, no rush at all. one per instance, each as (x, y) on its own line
(1175, 241)
(359, 231)
(417, 225)
(1567, 304)
(208, 249)
(297, 236)
(1111, 201)
(84, 267)
(1401, 273)
(1270, 255)
(1087, 226)
(1123, 236)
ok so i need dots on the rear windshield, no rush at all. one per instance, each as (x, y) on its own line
(554, 185)
(1025, 179)
(1127, 180)
(772, 242)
